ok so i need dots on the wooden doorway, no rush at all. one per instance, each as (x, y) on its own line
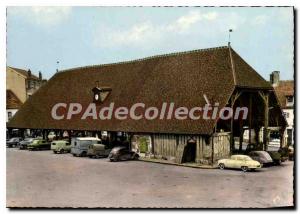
(189, 154)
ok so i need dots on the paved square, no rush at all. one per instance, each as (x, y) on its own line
(44, 179)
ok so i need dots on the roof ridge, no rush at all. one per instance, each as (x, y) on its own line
(143, 59)
(23, 70)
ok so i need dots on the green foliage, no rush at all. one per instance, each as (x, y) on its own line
(143, 145)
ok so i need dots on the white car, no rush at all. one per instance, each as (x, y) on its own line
(243, 162)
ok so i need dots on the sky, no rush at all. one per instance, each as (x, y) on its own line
(39, 37)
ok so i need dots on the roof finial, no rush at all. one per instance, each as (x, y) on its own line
(230, 30)
(57, 63)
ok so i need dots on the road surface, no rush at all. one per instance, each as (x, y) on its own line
(44, 179)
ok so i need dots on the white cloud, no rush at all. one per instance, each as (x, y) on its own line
(259, 20)
(48, 16)
(183, 23)
(146, 31)
(135, 35)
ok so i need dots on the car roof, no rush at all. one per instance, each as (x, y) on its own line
(98, 145)
(241, 156)
(59, 141)
(261, 152)
(119, 147)
(88, 138)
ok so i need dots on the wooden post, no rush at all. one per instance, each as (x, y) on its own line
(266, 123)
(250, 120)
(234, 97)
(69, 135)
(231, 125)
(241, 139)
(44, 134)
(152, 143)
(281, 133)
(212, 149)
(265, 97)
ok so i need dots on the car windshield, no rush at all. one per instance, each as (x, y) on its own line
(13, 139)
(247, 158)
(35, 141)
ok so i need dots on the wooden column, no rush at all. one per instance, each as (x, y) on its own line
(234, 97)
(241, 139)
(152, 143)
(212, 149)
(265, 97)
(281, 132)
(69, 135)
(250, 119)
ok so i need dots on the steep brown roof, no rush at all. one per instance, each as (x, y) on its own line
(12, 101)
(24, 73)
(181, 78)
(283, 89)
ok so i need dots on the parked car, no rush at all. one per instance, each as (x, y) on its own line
(39, 144)
(277, 158)
(291, 152)
(13, 142)
(243, 162)
(23, 144)
(61, 146)
(262, 157)
(287, 152)
(98, 150)
(79, 145)
(122, 153)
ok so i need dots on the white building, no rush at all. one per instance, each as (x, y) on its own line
(285, 93)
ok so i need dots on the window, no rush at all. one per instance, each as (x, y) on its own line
(9, 115)
(289, 100)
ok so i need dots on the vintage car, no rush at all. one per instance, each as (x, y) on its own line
(79, 145)
(23, 144)
(13, 142)
(121, 154)
(98, 150)
(287, 152)
(39, 144)
(291, 152)
(243, 162)
(262, 157)
(276, 157)
(61, 146)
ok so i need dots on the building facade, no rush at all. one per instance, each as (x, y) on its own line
(285, 92)
(20, 84)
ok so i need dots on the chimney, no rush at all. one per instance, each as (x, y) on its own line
(40, 75)
(275, 78)
(29, 73)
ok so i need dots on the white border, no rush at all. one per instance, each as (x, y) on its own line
(5, 3)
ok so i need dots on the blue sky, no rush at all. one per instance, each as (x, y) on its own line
(38, 37)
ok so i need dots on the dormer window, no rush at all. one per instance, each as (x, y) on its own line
(100, 94)
(289, 100)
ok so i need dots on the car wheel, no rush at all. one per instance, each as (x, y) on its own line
(62, 151)
(54, 152)
(83, 154)
(221, 166)
(244, 168)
